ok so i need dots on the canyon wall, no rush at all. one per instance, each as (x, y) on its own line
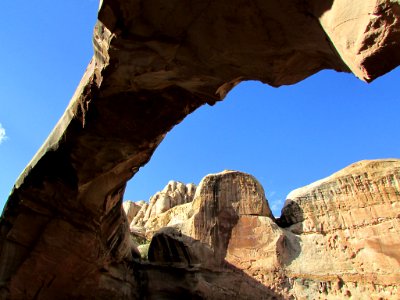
(337, 238)
(349, 226)
(63, 227)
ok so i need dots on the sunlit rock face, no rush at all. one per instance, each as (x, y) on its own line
(155, 62)
(220, 200)
(331, 243)
(349, 228)
(131, 209)
(175, 193)
(365, 33)
(212, 237)
(143, 217)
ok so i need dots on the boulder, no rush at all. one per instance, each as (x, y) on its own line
(169, 246)
(184, 267)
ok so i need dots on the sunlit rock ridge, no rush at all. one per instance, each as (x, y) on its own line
(63, 233)
(337, 238)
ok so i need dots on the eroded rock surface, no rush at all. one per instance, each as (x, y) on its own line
(207, 236)
(333, 244)
(354, 32)
(349, 224)
(131, 209)
(220, 201)
(174, 193)
(160, 60)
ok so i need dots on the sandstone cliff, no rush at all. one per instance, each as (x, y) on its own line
(349, 225)
(63, 228)
(331, 242)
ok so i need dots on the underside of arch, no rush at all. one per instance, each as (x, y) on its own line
(155, 62)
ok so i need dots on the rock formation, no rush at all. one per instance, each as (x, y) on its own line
(331, 242)
(131, 209)
(174, 193)
(349, 224)
(159, 61)
(196, 237)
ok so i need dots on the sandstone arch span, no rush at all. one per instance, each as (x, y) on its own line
(161, 60)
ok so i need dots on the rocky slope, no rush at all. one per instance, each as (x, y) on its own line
(337, 238)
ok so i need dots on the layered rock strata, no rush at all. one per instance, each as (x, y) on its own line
(331, 242)
(349, 224)
(159, 61)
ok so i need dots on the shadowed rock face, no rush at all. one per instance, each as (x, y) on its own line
(155, 62)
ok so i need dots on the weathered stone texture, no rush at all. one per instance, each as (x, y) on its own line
(131, 209)
(146, 218)
(373, 187)
(318, 253)
(366, 36)
(175, 193)
(211, 237)
(155, 62)
(220, 200)
(349, 224)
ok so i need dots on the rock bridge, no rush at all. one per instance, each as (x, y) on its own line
(156, 61)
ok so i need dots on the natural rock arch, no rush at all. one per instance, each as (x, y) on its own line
(161, 60)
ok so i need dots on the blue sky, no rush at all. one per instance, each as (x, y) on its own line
(286, 137)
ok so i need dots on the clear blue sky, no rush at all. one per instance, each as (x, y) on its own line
(286, 137)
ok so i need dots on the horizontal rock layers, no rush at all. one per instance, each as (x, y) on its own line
(349, 224)
(332, 242)
(155, 62)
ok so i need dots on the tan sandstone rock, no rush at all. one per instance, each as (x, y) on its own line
(349, 230)
(220, 200)
(160, 60)
(131, 209)
(304, 260)
(226, 230)
(175, 193)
